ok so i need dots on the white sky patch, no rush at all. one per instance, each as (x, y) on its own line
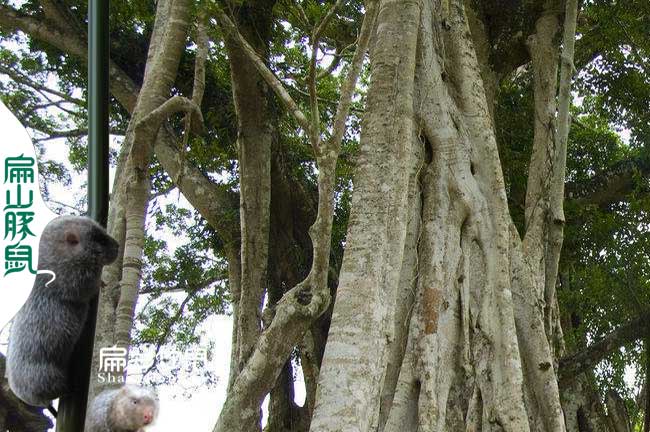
(200, 411)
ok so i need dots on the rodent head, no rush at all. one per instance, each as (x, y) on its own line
(75, 240)
(134, 407)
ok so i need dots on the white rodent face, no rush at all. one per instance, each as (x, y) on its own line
(142, 405)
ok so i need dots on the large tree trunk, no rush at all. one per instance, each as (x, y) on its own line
(254, 139)
(430, 226)
(583, 409)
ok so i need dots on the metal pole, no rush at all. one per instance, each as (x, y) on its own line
(72, 408)
(98, 108)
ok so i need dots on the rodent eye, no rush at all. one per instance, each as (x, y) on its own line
(72, 238)
(135, 401)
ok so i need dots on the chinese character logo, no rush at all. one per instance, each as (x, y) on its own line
(18, 258)
(19, 169)
(112, 359)
(18, 173)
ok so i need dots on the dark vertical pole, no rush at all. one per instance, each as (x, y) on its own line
(72, 408)
(98, 106)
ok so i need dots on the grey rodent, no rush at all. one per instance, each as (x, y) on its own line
(127, 409)
(47, 327)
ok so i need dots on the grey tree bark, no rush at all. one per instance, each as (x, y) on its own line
(439, 320)
(617, 412)
(255, 133)
(300, 306)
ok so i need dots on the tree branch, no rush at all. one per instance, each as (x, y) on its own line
(312, 80)
(575, 364)
(163, 338)
(328, 17)
(72, 133)
(50, 104)
(555, 220)
(201, 56)
(291, 321)
(12, 19)
(179, 288)
(269, 77)
(314, 136)
(542, 170)
(302, 14)
(321, 99)
(198, 87)
(610, 186)
(175, 104)
(162, 192)
(338, 55)
(71, 207)
(634, 49)
(25, 80)
(213, 201)
(56, 134)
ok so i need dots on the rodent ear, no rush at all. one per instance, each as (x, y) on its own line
(72, 238)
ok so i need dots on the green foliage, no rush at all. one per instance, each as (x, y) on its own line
(514, 131)
(605, 255)
(615, 51)
(182, 285)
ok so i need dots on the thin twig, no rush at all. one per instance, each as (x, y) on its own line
(303, 15)
(313, 80)
(325, 21)
(168, 330)
(633, 47)
(347, 90)
(338, 55)
(23, 79)
(71, 207)
(322, 99)
(314, 137)
(199, 83)
(72, 133)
